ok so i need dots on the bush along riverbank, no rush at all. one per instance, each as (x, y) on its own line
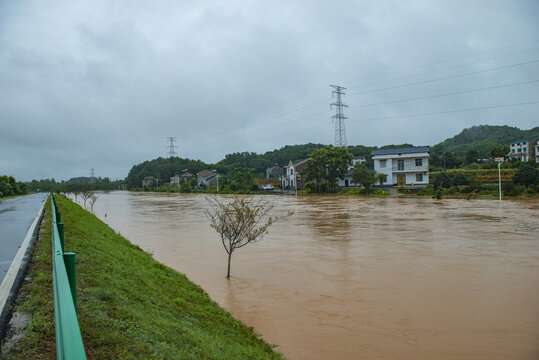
(130, 306)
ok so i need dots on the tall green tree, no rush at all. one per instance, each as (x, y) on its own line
(328, 165)
(471, 156)
(498, 151)
(316, 168)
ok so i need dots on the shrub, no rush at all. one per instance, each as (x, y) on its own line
(442, 180)
(460, 179)
(526, 174)
(511, 189)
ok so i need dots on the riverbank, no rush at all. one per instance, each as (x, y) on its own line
(130, 305)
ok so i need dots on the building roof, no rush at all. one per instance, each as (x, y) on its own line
(204, 173)
(523, 140)
(406, 150)
(297, 163)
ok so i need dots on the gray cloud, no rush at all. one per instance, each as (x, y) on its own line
(99, 84)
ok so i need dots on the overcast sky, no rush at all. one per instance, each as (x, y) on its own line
(100, 84)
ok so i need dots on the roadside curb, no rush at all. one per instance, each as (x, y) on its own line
(15, 275)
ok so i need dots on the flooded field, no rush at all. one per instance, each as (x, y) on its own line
(361, 278)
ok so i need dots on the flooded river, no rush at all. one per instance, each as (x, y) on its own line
(361, 278)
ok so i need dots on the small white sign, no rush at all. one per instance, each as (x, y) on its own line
(500, 159)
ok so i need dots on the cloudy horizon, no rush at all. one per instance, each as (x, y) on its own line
(99, 84)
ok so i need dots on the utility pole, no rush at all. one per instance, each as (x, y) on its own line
(338, 118)
(171, 147)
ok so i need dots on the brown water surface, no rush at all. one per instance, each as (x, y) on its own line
(353, 277)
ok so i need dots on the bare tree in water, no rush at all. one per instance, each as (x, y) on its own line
(239, 222)
(93, 198)
(86, 194)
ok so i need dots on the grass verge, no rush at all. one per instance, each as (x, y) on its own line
(130, 306)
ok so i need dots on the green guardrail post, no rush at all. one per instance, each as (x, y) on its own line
(58, 216)
(61, 233)
(69, 259)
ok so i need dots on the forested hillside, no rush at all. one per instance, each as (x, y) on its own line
(163, 169)
(482, 139)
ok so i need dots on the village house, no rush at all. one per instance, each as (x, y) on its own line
(175, 180)
(148, 181)
(403, 166)
(293, 178)
(187, 176)
(523, 150)
(207, 178)
(275, 171)
(347, 181)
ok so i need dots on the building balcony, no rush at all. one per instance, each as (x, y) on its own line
(413, 168)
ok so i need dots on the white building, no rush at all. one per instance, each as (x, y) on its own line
(293, 178)
(524, 150)
(403, 166)
(347, 181)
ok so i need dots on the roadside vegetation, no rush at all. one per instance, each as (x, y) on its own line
(130, 306)
(9, 187)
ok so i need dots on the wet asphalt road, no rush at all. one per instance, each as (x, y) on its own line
(16, 216)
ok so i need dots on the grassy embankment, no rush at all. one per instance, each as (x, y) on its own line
(130, 306)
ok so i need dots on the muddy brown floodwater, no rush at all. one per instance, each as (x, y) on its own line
(361, 278)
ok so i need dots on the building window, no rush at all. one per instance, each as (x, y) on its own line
(291, 171)
(400, 164)
(513, 151)
(382, 163)
(419, 177)
(418, 162)
(523, 149)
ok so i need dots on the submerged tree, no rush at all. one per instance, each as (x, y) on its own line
(93, 198)
(239, 222)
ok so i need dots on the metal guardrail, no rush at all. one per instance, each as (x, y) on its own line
(68, 337)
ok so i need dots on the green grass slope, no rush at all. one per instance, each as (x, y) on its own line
(130, 306)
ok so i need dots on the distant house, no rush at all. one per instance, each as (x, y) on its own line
(148, 181)
(207, 178)
(187, 176)
(347, 181)
(275, 171)
(175, 180)
(523, 150)
(293, 177)
(403, 166)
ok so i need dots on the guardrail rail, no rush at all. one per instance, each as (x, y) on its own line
(68, 337)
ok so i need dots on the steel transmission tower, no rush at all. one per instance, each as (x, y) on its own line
(338, 118)
(171, 147)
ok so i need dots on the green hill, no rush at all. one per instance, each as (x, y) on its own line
(481, 139)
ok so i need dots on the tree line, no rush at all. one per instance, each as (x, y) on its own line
(75, 184)
(10, 187)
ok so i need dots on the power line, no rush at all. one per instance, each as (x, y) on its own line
(311, 127)
(448, 111)
(445, 77)
(446, 94)
(453, 59)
